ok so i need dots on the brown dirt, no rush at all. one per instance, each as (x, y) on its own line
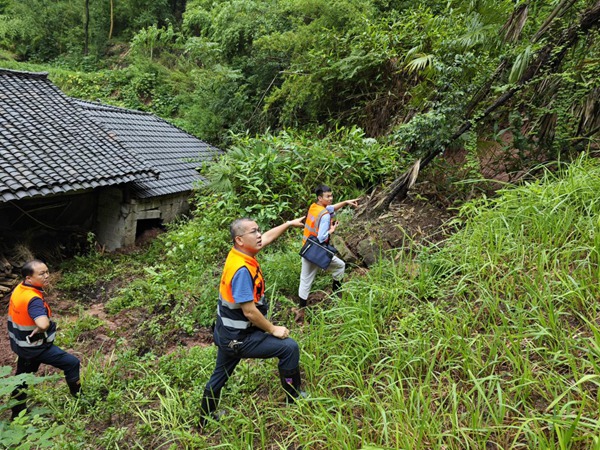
(122, 327)
(419, 219)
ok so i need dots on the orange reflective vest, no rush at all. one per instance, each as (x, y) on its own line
(229, 313)
(20, 323)
(313, 219)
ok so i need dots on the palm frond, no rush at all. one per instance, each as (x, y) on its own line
(559, 10)
(521, 63)
(547, 128)
(587, 112)
(476, 33)
(417, 49)
(420, 62)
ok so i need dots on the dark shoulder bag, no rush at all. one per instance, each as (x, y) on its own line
(318, 253)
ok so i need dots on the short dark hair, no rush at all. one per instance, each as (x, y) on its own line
(28, 268)
(235, 229)
(321, 189)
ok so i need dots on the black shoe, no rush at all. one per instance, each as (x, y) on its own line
(74, 388)
(215, 416)
(16, 411)
(336, 288)
(292, 385)
(20, 395)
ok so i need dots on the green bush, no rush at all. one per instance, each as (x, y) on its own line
(272, 178)
(21, 433)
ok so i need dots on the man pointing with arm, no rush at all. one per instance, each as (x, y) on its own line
(242, 329)
(320, 224)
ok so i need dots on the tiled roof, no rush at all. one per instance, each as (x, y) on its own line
(170, 150)
(48, 145)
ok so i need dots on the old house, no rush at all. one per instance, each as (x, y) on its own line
(147, 202)
(70, 166)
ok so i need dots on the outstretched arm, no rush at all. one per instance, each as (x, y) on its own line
(353, 202)
(274, 233)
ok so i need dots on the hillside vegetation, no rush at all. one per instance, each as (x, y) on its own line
(523, 75)
(487, 338)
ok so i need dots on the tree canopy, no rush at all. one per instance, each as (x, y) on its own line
(408, 72)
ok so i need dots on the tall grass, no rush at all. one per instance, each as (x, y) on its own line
(491, 340)
(491, 344)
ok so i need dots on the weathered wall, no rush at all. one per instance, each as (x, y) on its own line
(114, 221)
(44, 223)
(118, 217)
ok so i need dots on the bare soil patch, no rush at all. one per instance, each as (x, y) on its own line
(420, 218)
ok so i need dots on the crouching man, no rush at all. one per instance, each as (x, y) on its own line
(32, 333)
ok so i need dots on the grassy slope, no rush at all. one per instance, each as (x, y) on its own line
(492, 340)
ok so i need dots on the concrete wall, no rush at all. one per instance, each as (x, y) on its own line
(118, 216)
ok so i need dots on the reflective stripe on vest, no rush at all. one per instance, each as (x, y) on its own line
(313, 219)
(24, 344)
(20, 323)
(231, 313)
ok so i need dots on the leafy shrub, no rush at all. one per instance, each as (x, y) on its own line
(282, 268)
(70, 332)
(23, 431)
(272, 178)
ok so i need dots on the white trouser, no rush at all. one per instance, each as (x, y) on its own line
(309, 272)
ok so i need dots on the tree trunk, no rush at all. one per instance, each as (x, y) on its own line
(112, 20)
(86, 28)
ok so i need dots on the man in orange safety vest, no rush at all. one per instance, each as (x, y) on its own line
(321, 224)
(31, 332)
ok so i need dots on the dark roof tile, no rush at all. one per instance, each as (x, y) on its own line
(174, 153)
(47, 143)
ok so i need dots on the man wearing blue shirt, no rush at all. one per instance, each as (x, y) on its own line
(242, 329)
(32, 332)
(320, 224)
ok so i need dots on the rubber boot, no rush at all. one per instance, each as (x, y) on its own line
(300, 310)
(336, 287)
(74, 388)
(20, 395)
(292, 384)
(208, 407)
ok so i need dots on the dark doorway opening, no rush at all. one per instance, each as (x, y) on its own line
(147, 229)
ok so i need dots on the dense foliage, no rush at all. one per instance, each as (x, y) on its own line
(490, 339)
(413, 71)
(267, 178)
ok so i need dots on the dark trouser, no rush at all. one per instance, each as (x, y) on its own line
(255, 345)
(53, 356)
